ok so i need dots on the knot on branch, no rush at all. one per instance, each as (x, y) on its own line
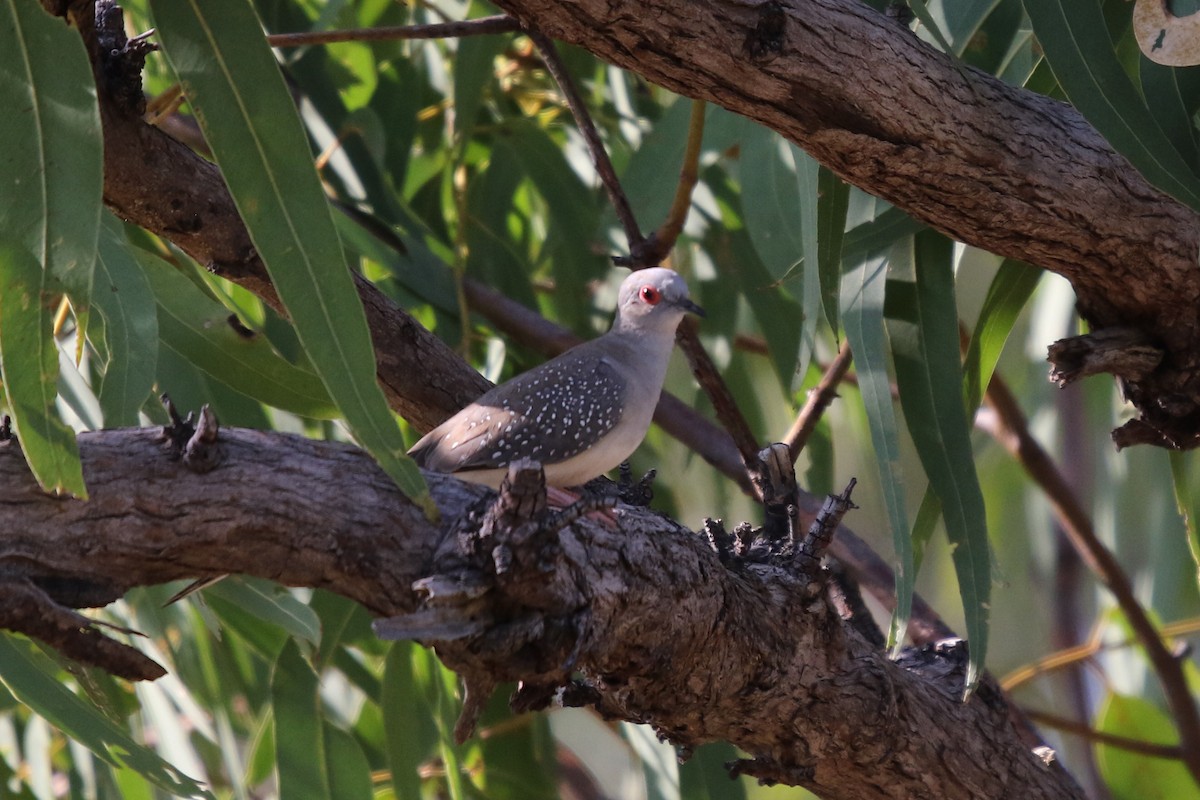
(192, 440)
(27, 609)
(1125, 352)
(505, 597)
(778, 541)
(121, 59)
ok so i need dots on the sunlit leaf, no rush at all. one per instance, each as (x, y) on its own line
(1134, 775)
(232, 80)
(29, 366)
(51, 152)
(923, 325)
(300, 755)
(126, 303)
(32, 680)
(1076, 42)
(862, 301)
(205, 333)
(1009, 292)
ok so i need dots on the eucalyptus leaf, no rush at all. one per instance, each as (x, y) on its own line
(923, 326)
(232, 80)
(32, 680)
(29, 369)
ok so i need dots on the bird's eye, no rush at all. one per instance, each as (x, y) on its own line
(650, 295)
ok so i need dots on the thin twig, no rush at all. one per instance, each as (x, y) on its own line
(1174, 752)
(663, 240)
(1068, 656)
(702, 366)
(1009, 427)
(724, 404)
(500, 23)
(600, 159)
(818, 400)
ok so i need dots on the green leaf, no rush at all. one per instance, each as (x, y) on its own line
(300, 756)
(660, 764)
(921, 11)
(884, 230)
(923, 324)
(704, 776)
(126, 303)
(1010, 290)
(807, 178)
(201, 331)
(412, 736)
(1184, 476)
(1076, 42)
(474, 66)
(32, 680)
(272, 604)
(833, 202)
(862, 299)
(29, 367)
(771, 201)
(232, 80)
(1133, 775)
(51, 151)
(349, 772)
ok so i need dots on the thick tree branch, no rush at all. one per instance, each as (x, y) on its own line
(992, 165)
(748, 653)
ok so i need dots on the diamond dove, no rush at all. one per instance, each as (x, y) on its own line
(579, 414)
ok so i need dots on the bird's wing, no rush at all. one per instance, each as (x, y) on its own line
(548, 414)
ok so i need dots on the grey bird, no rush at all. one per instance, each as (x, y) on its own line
(579, 414)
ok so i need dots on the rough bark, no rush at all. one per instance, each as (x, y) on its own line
(660, 630)
(989, 164)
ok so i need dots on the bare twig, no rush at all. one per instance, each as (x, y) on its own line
(663, 240)
(600, 159)
(819, 399)
(500, 23)
(714, 386)
(1174, 752)
(702, 366)
(1009, 427)
(1069, 656)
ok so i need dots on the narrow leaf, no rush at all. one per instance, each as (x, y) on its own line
(300, 754)
(1076, 42)
(51, 152)
(1010, 290)
(126, 303)
(862, 299)
(412, 736)
(923, 324)
(1184, 476)
(771, 202)
(808, 180)
(29, 370)
(232, 80)
(832, 204)
(33, 683)
(272, 604)
(203, 332)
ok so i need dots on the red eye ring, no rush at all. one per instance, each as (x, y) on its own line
(650, 295)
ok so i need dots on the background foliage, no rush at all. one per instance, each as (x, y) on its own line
(458, 157)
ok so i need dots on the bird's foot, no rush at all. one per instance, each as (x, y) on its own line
(635, 493)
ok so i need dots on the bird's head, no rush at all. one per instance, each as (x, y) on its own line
(654, 299)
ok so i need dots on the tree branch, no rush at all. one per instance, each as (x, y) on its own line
(746, 654)
(992, 165)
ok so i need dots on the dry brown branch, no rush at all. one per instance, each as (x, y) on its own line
(989, 164)
(744, 654)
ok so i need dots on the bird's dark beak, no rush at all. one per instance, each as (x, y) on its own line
(688, 305)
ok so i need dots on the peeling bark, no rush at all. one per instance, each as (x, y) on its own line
(656, 628)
